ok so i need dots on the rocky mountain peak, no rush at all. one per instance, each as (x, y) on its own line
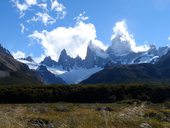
(66, 61)
(5, 51)
(29, 58)
(63, 57)
(63, 52)
(153, 50)
(49, 62)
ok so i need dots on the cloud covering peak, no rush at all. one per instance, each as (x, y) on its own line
(122, 41)
(74, 39)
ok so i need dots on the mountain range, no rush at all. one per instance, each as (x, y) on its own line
(109, 66)
(99, 66)
(97, 57)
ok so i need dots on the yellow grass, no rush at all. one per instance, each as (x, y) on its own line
(66, 115)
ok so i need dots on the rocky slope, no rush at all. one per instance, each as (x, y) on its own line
(15, 72)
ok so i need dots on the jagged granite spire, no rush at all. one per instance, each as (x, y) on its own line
(66, 61)
(49, 62)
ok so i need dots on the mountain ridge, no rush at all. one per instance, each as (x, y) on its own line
(15, 72)
(134, 73)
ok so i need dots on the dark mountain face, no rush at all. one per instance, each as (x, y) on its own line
(153, 50)
(89, 61)
(47, 77)
(164, 65)
(140, 73)
(163, 50)
(134, 73)
(66, 61)
(14, 72)
(4, 51)
(78, 61)
(95, 57)
(49, 62)
(164, 61)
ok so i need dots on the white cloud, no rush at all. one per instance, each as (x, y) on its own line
(44, 18)
(99, 48)
(46, 12)
(124, 42)
(39, 59)
(18, 54)
(74, 39)
(81, 17)
(59, 8)
(22, 28)
(99, 44)
(21, 7)
(43, 6)
(31, 2)
(169, 38)
(24, 6)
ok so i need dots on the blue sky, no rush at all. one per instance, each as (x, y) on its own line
(147, 20)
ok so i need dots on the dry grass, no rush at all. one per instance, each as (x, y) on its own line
(65, 115)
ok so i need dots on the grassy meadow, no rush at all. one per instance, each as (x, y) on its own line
(124, 114)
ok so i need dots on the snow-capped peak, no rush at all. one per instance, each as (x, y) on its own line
(119, 47)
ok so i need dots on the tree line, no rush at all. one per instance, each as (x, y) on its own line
(83, 93)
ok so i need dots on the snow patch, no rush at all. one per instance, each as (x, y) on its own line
(78, 75)
(31, 65)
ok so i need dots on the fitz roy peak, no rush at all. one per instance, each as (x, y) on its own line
(95, 57)
(66, 61)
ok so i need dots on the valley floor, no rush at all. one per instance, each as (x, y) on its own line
(66, 115)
